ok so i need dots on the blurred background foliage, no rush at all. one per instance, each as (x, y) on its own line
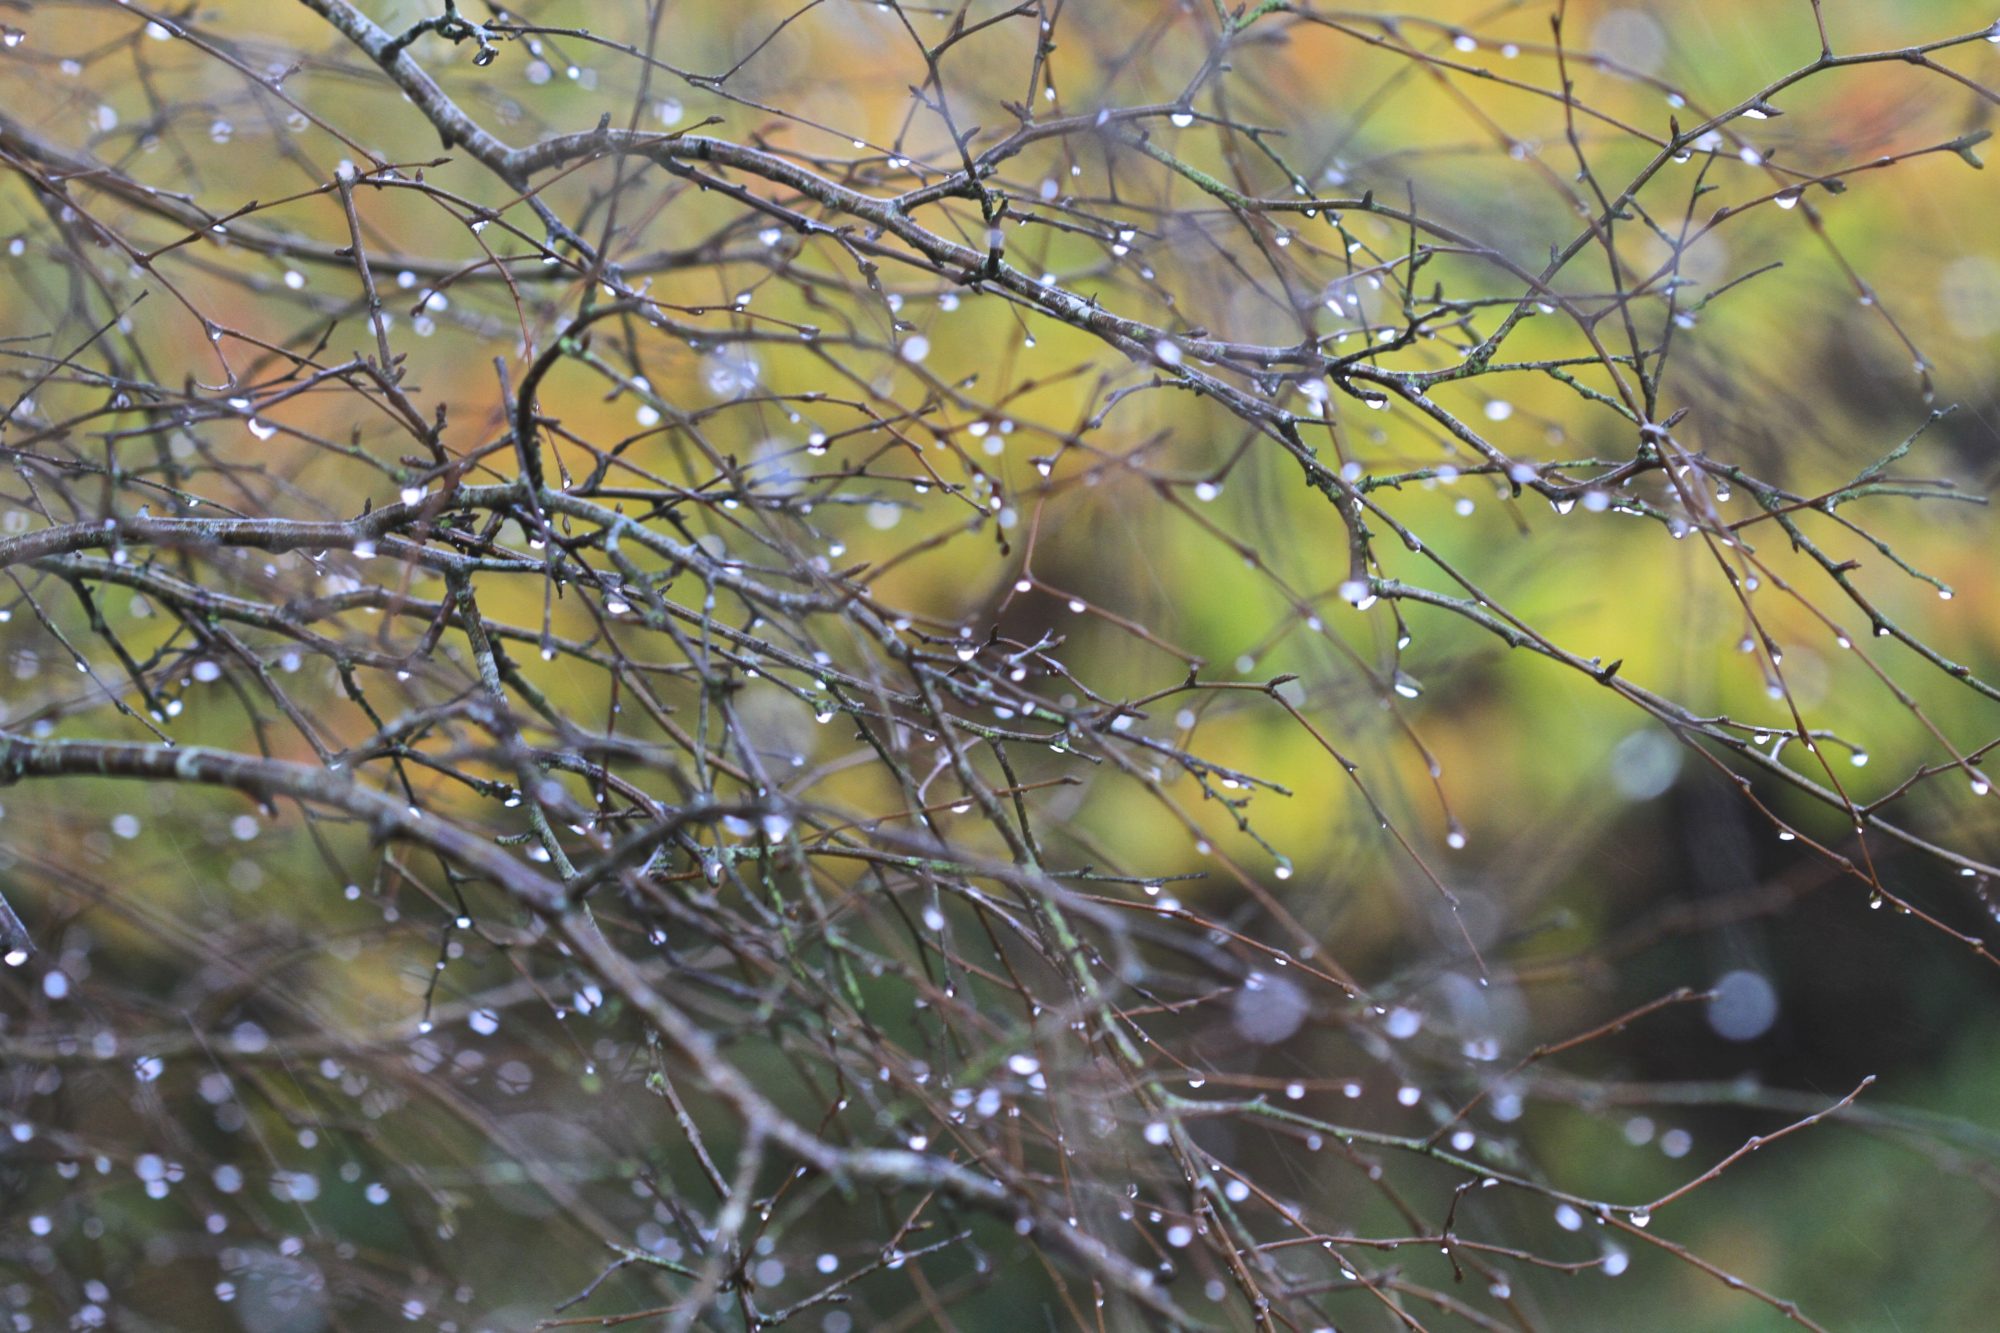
(1603, 864)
